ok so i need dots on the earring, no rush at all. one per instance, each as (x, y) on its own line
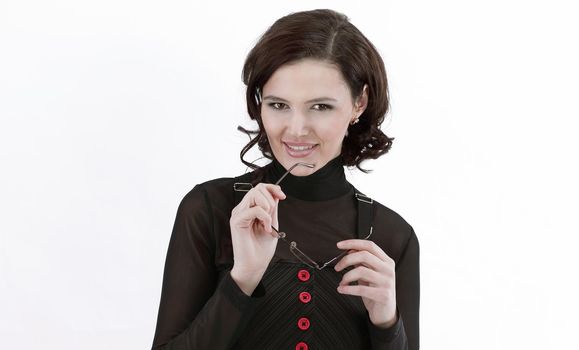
(355, 121)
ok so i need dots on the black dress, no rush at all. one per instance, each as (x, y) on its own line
(294, 306)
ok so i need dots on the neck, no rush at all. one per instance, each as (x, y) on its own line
(328, 182)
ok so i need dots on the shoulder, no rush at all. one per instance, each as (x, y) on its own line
(206, 192)
(391, 231)
(218, 185)
(213, 194)
(391, 218)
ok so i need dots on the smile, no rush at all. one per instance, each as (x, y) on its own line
(299, 151)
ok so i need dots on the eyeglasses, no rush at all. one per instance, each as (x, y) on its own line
(293, 246)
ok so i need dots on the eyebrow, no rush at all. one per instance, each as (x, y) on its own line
(319, 99)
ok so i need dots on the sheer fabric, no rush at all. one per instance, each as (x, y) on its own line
(201, 307)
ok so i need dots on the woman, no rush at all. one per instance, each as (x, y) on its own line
(346, 272)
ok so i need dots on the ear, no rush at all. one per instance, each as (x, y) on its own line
(361, 102)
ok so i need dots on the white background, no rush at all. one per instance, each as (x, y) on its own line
(112, 110)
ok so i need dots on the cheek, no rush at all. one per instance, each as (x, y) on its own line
(332, 134)
(271, 128)
(265, 121)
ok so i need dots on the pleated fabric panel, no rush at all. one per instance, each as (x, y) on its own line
(336, 321)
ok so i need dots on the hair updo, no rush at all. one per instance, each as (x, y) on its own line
(325, 35)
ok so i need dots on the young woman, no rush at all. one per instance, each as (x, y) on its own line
(291, 255)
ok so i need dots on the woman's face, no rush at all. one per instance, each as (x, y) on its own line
(306, 110)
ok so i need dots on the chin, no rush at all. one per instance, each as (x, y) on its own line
(288, 161)
(303, 171)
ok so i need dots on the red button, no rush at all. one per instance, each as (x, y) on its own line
(303, 275)
(303, 323)
(301, 346)
(305, 297)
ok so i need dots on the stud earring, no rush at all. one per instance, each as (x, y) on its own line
(355, 121)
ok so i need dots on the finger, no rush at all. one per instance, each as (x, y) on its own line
(251, 198)
(247, 218)
(364, 244)
(274, 190)
(365, 258)
(263, 199)
(268, 191)
(274, 218)
(271, 193)
(362, 273)
(372, 293)
(278, 191)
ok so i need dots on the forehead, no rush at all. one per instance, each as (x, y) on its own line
(306, 79)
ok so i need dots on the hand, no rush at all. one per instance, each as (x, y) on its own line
(374, 271)
(253, 239)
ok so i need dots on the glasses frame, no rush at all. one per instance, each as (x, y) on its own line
(293, 246)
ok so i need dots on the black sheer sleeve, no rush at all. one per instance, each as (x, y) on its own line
(197, 310)
(404, 333)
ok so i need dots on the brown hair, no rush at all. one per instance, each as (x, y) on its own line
(326, 35)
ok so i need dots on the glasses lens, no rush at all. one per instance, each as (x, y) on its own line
(302, 256)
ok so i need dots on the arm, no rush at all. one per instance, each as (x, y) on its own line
(404, 333)
(196, 311)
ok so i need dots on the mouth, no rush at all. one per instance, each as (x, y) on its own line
(300, 150)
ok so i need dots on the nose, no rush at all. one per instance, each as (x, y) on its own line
(298, 125)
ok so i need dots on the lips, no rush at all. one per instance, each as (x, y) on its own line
(299, 143)
(299, 150)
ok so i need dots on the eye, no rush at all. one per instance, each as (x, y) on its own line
(322, 107)
(276, 105)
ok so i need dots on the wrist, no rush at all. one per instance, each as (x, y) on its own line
(247, 280)
(388, 323)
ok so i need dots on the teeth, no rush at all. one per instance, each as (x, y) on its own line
(301, 148)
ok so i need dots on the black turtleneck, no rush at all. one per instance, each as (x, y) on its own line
(202, 307)
(326, 183)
